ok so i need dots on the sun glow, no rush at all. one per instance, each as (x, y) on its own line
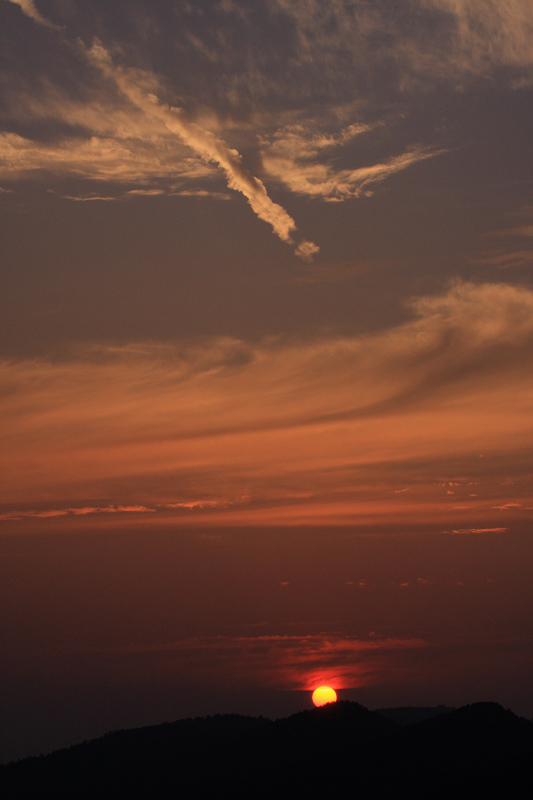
(323, 695)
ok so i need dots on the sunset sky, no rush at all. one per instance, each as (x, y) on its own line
(266, 326)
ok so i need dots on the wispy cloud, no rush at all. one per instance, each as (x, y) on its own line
(427, 41)
(132, 194)
(83, 511)
(521, 230)
(478, 530)
(299, 155)
(324, 429)
(126, 127)
(496, 32)
(304, 174)
(76, 512)
(140, 90)
(122, 160)
(505, 259)
(29, 8)
(89, 198)
(290, 662)
(508, 506)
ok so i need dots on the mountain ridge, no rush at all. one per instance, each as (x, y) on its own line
(323, 752)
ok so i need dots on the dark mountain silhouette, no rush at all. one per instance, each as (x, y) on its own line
(342, 749)
(456, 750)
(408, 715)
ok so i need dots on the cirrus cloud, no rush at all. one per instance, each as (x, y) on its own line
(324, 429)
(29, 8)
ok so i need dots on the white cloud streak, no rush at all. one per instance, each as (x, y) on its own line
(203, 142)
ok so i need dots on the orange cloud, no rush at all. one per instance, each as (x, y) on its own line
(480, 530)
(77, 512)
(331, 429)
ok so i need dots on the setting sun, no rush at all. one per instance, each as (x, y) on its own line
(323, 695)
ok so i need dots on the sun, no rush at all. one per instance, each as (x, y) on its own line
(323, 695)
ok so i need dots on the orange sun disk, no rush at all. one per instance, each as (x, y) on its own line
(323, 695)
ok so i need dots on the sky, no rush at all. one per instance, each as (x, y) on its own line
(266, 345)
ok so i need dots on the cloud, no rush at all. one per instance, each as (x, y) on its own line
(166, 132)
(478, 530)
(325, 429)
(76, 512)
(185, 505)
(140, 90)
(413, 45)
(307, 138)
(100, 158)
(290, 662)
(303, 174)
(307, 250)
(280, 55)
(496, 32)
(300, 156)
(88, 198)
(29, 9)
(192, 504)
(131, 194)
(505, 259)
(522, 230)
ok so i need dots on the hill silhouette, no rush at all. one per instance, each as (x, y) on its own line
(408, 715)
(338, 750)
